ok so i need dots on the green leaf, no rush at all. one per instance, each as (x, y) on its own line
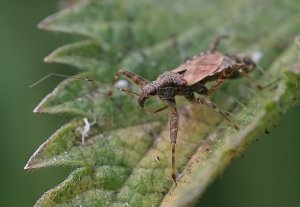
(124, 157)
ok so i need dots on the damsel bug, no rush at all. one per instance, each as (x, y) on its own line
(188, 79)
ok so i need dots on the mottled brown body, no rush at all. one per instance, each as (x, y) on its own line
(188, 79)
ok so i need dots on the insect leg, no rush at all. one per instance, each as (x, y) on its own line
(224, 75)
(174, 122)
(215, 44)
(132, 77)
(227, 72)
(259, 87)
(207, 102)
(251, 80)
(155, 110)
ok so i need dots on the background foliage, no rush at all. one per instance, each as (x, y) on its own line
(17, 145)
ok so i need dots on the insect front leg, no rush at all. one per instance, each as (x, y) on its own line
(207, 102)
(132, 77)
(174, 123)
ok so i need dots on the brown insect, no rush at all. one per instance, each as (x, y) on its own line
(188, 79)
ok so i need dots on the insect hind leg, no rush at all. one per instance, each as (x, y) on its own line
(207, 102)
(215, 44)
(226, 73)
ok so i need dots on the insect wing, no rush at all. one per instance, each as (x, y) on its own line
(200, 67)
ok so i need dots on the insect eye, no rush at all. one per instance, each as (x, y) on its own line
(248, 61)
(152, 91)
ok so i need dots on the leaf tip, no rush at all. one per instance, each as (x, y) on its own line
(27, 166)
(43, 24)
(51, 57)
(37, 109)
(48, 58)
(41, 106)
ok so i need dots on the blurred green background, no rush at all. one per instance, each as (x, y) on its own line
(268, 174)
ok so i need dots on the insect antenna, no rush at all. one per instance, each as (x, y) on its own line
(128, 91)
(62, 76)
(79, 78)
